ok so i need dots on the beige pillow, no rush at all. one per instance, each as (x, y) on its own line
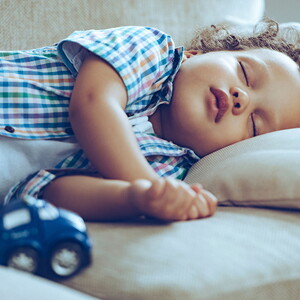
(261, 171)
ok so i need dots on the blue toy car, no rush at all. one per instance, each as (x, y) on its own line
(39, 238)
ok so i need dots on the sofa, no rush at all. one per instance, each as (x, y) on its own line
(248, 250)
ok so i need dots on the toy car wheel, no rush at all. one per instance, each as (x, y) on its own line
(25, 259)
(66, 259)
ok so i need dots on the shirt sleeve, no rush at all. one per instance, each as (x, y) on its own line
(169, 166)
(141, 55)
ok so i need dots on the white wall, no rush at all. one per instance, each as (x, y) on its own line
(283, 10)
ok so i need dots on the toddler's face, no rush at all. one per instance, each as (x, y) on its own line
(224, 97)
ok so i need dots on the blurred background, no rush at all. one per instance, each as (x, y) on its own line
(283, 10)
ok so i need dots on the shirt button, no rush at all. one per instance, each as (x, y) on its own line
(9, 129)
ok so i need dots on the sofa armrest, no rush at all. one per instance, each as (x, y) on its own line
(36, 23)
(23, 286)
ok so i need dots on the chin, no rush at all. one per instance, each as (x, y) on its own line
(204, 152)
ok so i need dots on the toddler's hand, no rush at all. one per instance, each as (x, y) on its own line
(172, 200)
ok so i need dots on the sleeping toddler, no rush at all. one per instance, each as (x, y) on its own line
(141, 111)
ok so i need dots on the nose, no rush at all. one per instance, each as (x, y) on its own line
(240, 99)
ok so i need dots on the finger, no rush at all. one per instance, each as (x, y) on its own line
(160, 197)
(186, 198)
(142, 184)
(156, 190)
(172, 199)
(172, 191)
(178, 199)
(183, 208)
(193, 208)
(202, 206)
(212, 201)
(197, 187)
(193, 212)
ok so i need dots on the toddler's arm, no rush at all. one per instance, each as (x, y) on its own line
(101, 125)
(103, 131)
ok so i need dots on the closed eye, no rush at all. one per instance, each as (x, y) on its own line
(255, 131)
(244, 72)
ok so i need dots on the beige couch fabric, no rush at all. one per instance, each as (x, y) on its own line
(239, 254)
(27, 24)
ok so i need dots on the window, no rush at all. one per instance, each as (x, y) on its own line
(48, 212)
(16, 218)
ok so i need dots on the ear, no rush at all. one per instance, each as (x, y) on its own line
(190, 53)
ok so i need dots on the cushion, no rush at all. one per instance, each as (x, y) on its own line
(261, 171)
(240, 253)
(20, 157)
(60, 18)
(33, 287)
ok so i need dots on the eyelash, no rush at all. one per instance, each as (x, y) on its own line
(255, 133)
(244, 72)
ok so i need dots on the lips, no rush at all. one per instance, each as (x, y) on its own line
(221, 102)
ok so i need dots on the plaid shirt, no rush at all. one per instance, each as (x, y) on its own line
(36, 86)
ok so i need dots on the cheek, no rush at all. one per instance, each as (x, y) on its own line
(218, 137)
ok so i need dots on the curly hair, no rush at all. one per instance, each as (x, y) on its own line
(266, 34)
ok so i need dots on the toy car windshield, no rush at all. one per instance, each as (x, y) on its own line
(16, 218)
